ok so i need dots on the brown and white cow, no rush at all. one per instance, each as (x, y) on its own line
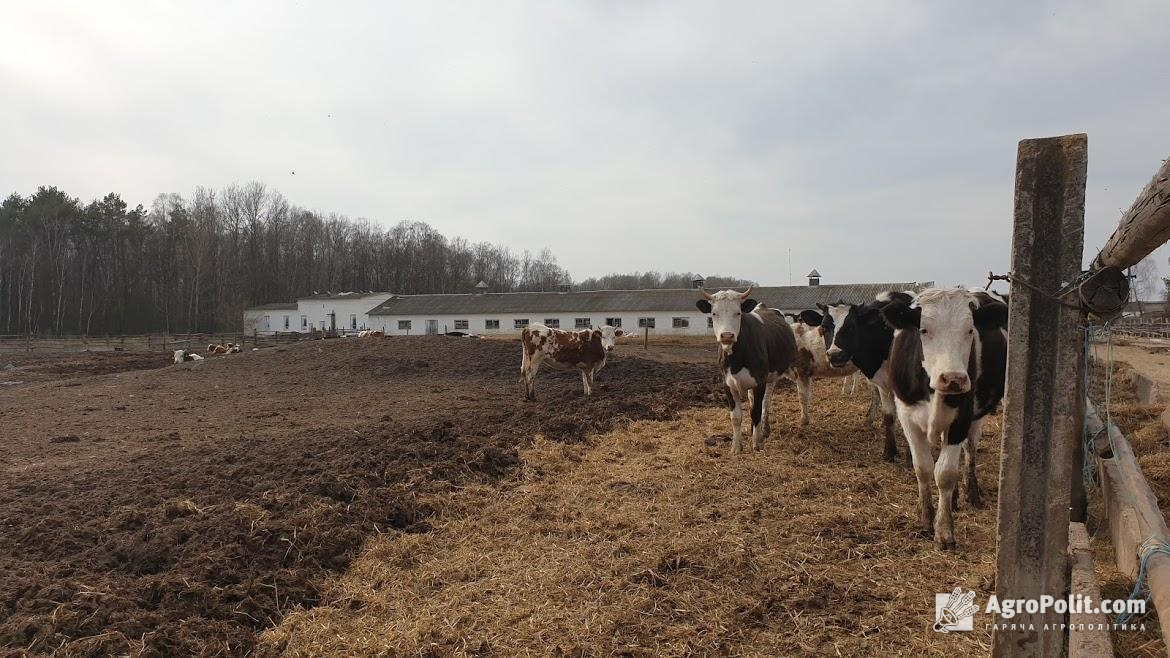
(756, 348)
(586, 350)
(183, 355)
(814, 336)
(947, 365)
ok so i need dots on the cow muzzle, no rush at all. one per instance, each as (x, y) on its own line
(837, 358)
(727, 338)
(952, 383)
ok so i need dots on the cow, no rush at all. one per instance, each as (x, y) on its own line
(212, 348)
(756, 348)
(371, 333)
(814, 335)
(862, 338)
(948, 362)
(585, 350)
(183, 355)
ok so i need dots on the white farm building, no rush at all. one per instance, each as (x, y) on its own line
(663, 312)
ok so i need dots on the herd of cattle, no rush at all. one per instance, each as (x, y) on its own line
(936, 360)
(212, 348)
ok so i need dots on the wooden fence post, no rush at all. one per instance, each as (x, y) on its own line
(1042, 420)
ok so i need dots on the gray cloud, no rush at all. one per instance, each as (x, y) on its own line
(875, 140)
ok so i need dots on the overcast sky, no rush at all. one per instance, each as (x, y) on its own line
(876, 140)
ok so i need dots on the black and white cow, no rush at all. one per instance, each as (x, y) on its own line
(862, 338)
(756, 348)
(947, 364)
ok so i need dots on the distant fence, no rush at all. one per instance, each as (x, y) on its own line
(146, 342)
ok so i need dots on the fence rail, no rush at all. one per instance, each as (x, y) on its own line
(144, 342)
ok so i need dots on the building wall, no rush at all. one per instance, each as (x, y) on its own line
(269, 321)
(663, 322)
(315, 313)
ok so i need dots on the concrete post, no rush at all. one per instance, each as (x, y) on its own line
(1042, 413)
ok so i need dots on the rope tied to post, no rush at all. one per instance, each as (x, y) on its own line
(1141, 591)
(1089, 462)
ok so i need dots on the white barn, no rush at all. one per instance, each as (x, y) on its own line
(664, 312)
(341, 312)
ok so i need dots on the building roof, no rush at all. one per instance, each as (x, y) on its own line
(344, 295)
(789, 298)
(814, 274)
(279, 306)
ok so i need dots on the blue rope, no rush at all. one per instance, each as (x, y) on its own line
(1150, 548)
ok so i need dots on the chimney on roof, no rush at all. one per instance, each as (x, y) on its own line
(814, 278)
(698, 281)
(480, 288)
(564, 287)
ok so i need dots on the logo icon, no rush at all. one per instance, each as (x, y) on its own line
(953, 612)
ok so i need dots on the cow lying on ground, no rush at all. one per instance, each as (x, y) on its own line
(814, 334)
(756, 348)
(371, 333)
(585, 350)
(226, 348)
(183, 355)
(862, 338)
(947, 364)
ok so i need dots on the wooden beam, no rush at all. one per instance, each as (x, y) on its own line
(1042, 412)
(1088, 635)
(1132, 509)
(1143, 228)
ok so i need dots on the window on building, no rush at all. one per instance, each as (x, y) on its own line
(286, 323)
(616, 323)
(710, 322)
(491, 324)
(581, 323)
(267, 322)
(304, 322)
(680, 323)
(353, 321)
(645, 323)
(555, 323)
(520, 323)
(404, 325)
(322, 325)
(461, 325)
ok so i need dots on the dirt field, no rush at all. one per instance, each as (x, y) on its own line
(179, 510)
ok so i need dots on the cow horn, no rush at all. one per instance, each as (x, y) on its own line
(706, 294)
(746, 292)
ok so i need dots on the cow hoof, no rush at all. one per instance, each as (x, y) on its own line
(974, 499)
(946, 546)
(890, 456)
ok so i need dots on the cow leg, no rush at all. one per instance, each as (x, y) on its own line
(528, 375)
(804, 387)
(736, 406)
(923, 470)
(970, 446)
(875, 405)
(759, 412)
(585, 381)
(946, 477)
(845, 386)
(768, 409)
(886, 399)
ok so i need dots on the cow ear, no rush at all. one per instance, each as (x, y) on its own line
(748, 305)
(703, 305)
(824, 309)
(900, 316)
(990, 316)
(618, 333)
(811, 318)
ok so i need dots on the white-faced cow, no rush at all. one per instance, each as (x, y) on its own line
(756, 348)
(947, 365)
(862, 338)
(585, 350)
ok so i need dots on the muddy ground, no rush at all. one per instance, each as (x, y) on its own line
(162, 510)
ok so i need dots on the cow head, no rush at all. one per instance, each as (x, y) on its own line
(609, 336)
(726, 308)
(843, 338)
(823, 323)
(946, 321)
